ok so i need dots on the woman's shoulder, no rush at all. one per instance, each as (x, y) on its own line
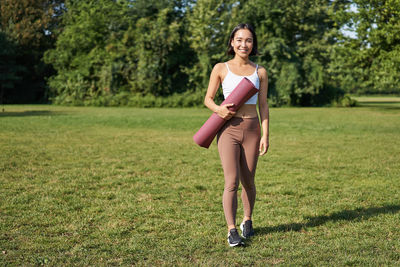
(219, 66)
(220, 69)
(262, 71)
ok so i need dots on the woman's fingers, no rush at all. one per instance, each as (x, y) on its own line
(225, 113)
(230, 112)
(263, 147)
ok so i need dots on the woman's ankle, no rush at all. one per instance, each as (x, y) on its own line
(246, 218)
(230, 227)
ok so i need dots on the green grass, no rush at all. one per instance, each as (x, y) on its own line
(127, 186)
(379, 101)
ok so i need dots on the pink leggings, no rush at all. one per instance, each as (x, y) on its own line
(238, 146)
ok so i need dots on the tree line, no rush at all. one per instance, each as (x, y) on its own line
(161, 52)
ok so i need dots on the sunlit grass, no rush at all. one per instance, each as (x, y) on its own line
(379, 99)
(388, 102)
(112, 186)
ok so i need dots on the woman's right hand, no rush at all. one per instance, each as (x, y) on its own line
(224, 112)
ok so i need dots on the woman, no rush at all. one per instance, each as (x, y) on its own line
(240, 141)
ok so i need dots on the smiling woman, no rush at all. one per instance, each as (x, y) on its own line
(240, 141)
(237, 37)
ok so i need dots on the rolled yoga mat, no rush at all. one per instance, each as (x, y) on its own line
(242, 92)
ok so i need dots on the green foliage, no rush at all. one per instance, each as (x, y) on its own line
(9, 70)
(369, 63)
(345, 101)
(154, 44)
(30, 27)
(80, 56)
(26, 21)
(108, 48)
(148, 49)
(294, 40)
(209, 26)
(186, 99)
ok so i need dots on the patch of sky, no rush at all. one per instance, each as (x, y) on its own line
(349, 29)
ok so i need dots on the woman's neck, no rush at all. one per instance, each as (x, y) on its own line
(240, 60)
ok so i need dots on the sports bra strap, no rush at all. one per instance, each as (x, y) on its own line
(226, 63)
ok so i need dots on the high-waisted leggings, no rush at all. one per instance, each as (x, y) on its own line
(238, 146)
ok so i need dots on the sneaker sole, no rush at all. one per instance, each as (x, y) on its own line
(241, 228)
(234, 245)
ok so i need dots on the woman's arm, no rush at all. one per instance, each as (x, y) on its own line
(215, 81)
(264, 110)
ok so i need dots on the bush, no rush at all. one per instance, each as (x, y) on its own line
(345, 101)
(187, 99)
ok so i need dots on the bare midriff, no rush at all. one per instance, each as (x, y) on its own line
(247, 111)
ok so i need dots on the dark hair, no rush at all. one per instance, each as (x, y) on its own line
(241, 26)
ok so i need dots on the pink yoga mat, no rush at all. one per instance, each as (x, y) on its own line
(243, 92)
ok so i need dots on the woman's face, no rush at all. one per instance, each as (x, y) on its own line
(242, 42)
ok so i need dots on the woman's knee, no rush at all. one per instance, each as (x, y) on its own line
(231, 187)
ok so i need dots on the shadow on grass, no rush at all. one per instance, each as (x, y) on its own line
(344, 215)
(28, 113)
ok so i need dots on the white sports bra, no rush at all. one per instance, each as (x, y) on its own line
(232, 80)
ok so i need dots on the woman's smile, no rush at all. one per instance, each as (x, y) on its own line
(242, 42)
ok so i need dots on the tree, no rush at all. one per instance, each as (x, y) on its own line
(80, 57)
(209, 25)
(370, 63)
(295, 38)
(9, 70)
(110, 48)
(29, 25)
(157, 47)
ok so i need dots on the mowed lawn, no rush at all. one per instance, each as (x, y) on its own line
(388, 102)
(127, 186)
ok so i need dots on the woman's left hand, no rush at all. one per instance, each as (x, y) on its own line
(264, 145)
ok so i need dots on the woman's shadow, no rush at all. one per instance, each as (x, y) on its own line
(344, 215)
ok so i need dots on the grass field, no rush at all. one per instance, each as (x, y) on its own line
(126, 186)
(388, 102)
